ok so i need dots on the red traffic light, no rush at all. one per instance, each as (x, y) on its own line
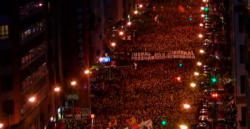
(215, 95)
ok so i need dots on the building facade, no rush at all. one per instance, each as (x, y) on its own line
(26, 75)
(240, 58)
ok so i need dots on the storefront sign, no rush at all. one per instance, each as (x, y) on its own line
(159, 56)
(80, 36)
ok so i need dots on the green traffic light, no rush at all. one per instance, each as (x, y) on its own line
(180, 65)
(164, 122)
(214, 80)
(206, 9)
(190, 19)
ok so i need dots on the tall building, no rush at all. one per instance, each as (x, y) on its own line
(240, 58)
(26, 74)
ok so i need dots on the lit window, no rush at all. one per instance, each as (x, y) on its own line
(4, 32)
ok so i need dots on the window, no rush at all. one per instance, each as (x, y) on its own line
(7, 83)
(243, 121)
(242, 84)
(8, 107)
(242, 48)
(241, 23)
(4, 32)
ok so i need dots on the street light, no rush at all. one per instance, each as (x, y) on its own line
(32, 99)
(183, 127)
(73, 83)
(204, 0)
(57, 89)
(86, 71)
(1, 125)
(202, 15)
(140, 6)
(196, 73)
(136, 12)
(201, 24)
(200, 35)
(192, 84)
(187, 106)
(199, 63)
(113, 44)
(202, 8)
(202, 51)
(129, 23)
(121, 33)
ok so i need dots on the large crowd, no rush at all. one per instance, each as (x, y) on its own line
(173, 29)
(152, 91)
(155, 90)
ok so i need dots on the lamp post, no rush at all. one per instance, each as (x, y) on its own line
(56, 89)
(73, 83)
(33, 100)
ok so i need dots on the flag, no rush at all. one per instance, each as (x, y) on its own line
(131, 121)
(182, 9)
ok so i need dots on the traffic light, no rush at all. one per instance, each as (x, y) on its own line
(164, 122)
(190, 19)
(180, 64)
(214, 79)
(206, 9)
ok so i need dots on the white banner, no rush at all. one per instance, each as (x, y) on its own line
(161, 55)
(148, 124)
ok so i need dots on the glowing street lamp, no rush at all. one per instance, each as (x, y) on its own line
(57, 89)
(32, 99)
(192, 84)
(129, 23)
(202, 8)
(136, 12)
(201, 24)
(140, 6)
(187, 106)
(113, 44)
(204, 0)
(202, 15)
(1, 125)
(121, 33)
(86, 71)
(200, 35)
(199, 63)
(73, 83)
(183, 127)
(196, 73)
(202, 51)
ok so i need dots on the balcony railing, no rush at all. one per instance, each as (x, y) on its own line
(33, 54)
(31, 31)
(30, 9)
(34, 77)
(40, 96)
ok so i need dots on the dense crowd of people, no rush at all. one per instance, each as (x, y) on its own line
(152, 91)
(173, 29)
(155, 90)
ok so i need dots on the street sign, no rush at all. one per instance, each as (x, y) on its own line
(73, 96)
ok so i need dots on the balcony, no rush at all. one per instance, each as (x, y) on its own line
(33, 54)
(34, 77)
(30, 9)
(29, 106)
(32, 31)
